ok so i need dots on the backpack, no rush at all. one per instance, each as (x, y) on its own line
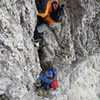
(56, 15)
(54, 84)
(41, 5)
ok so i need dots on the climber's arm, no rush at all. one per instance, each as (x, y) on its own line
(50, 20)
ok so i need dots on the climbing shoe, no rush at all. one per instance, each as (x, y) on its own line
(37, 44)
(41, 92)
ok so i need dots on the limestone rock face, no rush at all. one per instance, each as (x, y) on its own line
(17, 53)
(83, 82)
(73, 46)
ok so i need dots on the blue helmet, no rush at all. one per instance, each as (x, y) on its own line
(49, 72)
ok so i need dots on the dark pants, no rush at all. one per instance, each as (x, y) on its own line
(37, 35)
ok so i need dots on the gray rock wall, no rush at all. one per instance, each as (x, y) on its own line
(83, 82)
(17, 53)
(74, 47)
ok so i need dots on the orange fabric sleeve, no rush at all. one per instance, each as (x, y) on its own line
(49, 20)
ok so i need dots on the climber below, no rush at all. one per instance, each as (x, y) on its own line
(48, 15)
(48, 80)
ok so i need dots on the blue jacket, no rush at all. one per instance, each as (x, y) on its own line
(47, 82)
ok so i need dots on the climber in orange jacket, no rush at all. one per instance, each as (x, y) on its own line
(46, 17)
(47, 14)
